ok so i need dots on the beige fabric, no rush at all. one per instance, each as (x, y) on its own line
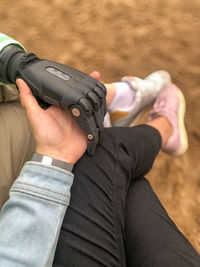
(8, 93)
(16, 141)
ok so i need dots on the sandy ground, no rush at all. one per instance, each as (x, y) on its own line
(120, 37)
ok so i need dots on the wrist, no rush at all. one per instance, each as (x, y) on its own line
(57, 154)
(50, 161)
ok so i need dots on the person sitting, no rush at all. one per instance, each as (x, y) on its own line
(113, 218)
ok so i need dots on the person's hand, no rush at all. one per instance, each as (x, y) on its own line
(55, 131)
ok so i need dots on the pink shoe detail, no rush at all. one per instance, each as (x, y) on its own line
(170, 103)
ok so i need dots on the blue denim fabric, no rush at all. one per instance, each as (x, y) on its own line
(31, 219)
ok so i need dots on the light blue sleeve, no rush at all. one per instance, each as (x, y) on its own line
(31, 219)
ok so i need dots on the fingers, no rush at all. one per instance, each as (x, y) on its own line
(98, 99)
(95, 102)
(86, 119)
(94, 99)
(27, 99)
(95, 74)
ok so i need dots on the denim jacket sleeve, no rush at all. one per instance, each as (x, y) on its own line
(31, 219)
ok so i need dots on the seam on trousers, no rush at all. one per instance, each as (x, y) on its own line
(114, 207)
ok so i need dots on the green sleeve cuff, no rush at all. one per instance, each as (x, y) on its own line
(6, 40)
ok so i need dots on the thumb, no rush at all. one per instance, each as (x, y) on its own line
(27, 99)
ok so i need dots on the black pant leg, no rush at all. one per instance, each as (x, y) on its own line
(93, 231)
(153, 240)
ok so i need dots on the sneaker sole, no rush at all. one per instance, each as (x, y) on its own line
(183, 134)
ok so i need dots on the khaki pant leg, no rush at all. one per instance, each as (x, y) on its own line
(16, 145)
(8, 93)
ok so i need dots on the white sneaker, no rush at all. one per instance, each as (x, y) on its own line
(146, 92)
(107, 122)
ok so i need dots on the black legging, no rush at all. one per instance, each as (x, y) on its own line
(114, 218)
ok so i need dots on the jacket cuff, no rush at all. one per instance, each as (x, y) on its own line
(48, 182)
